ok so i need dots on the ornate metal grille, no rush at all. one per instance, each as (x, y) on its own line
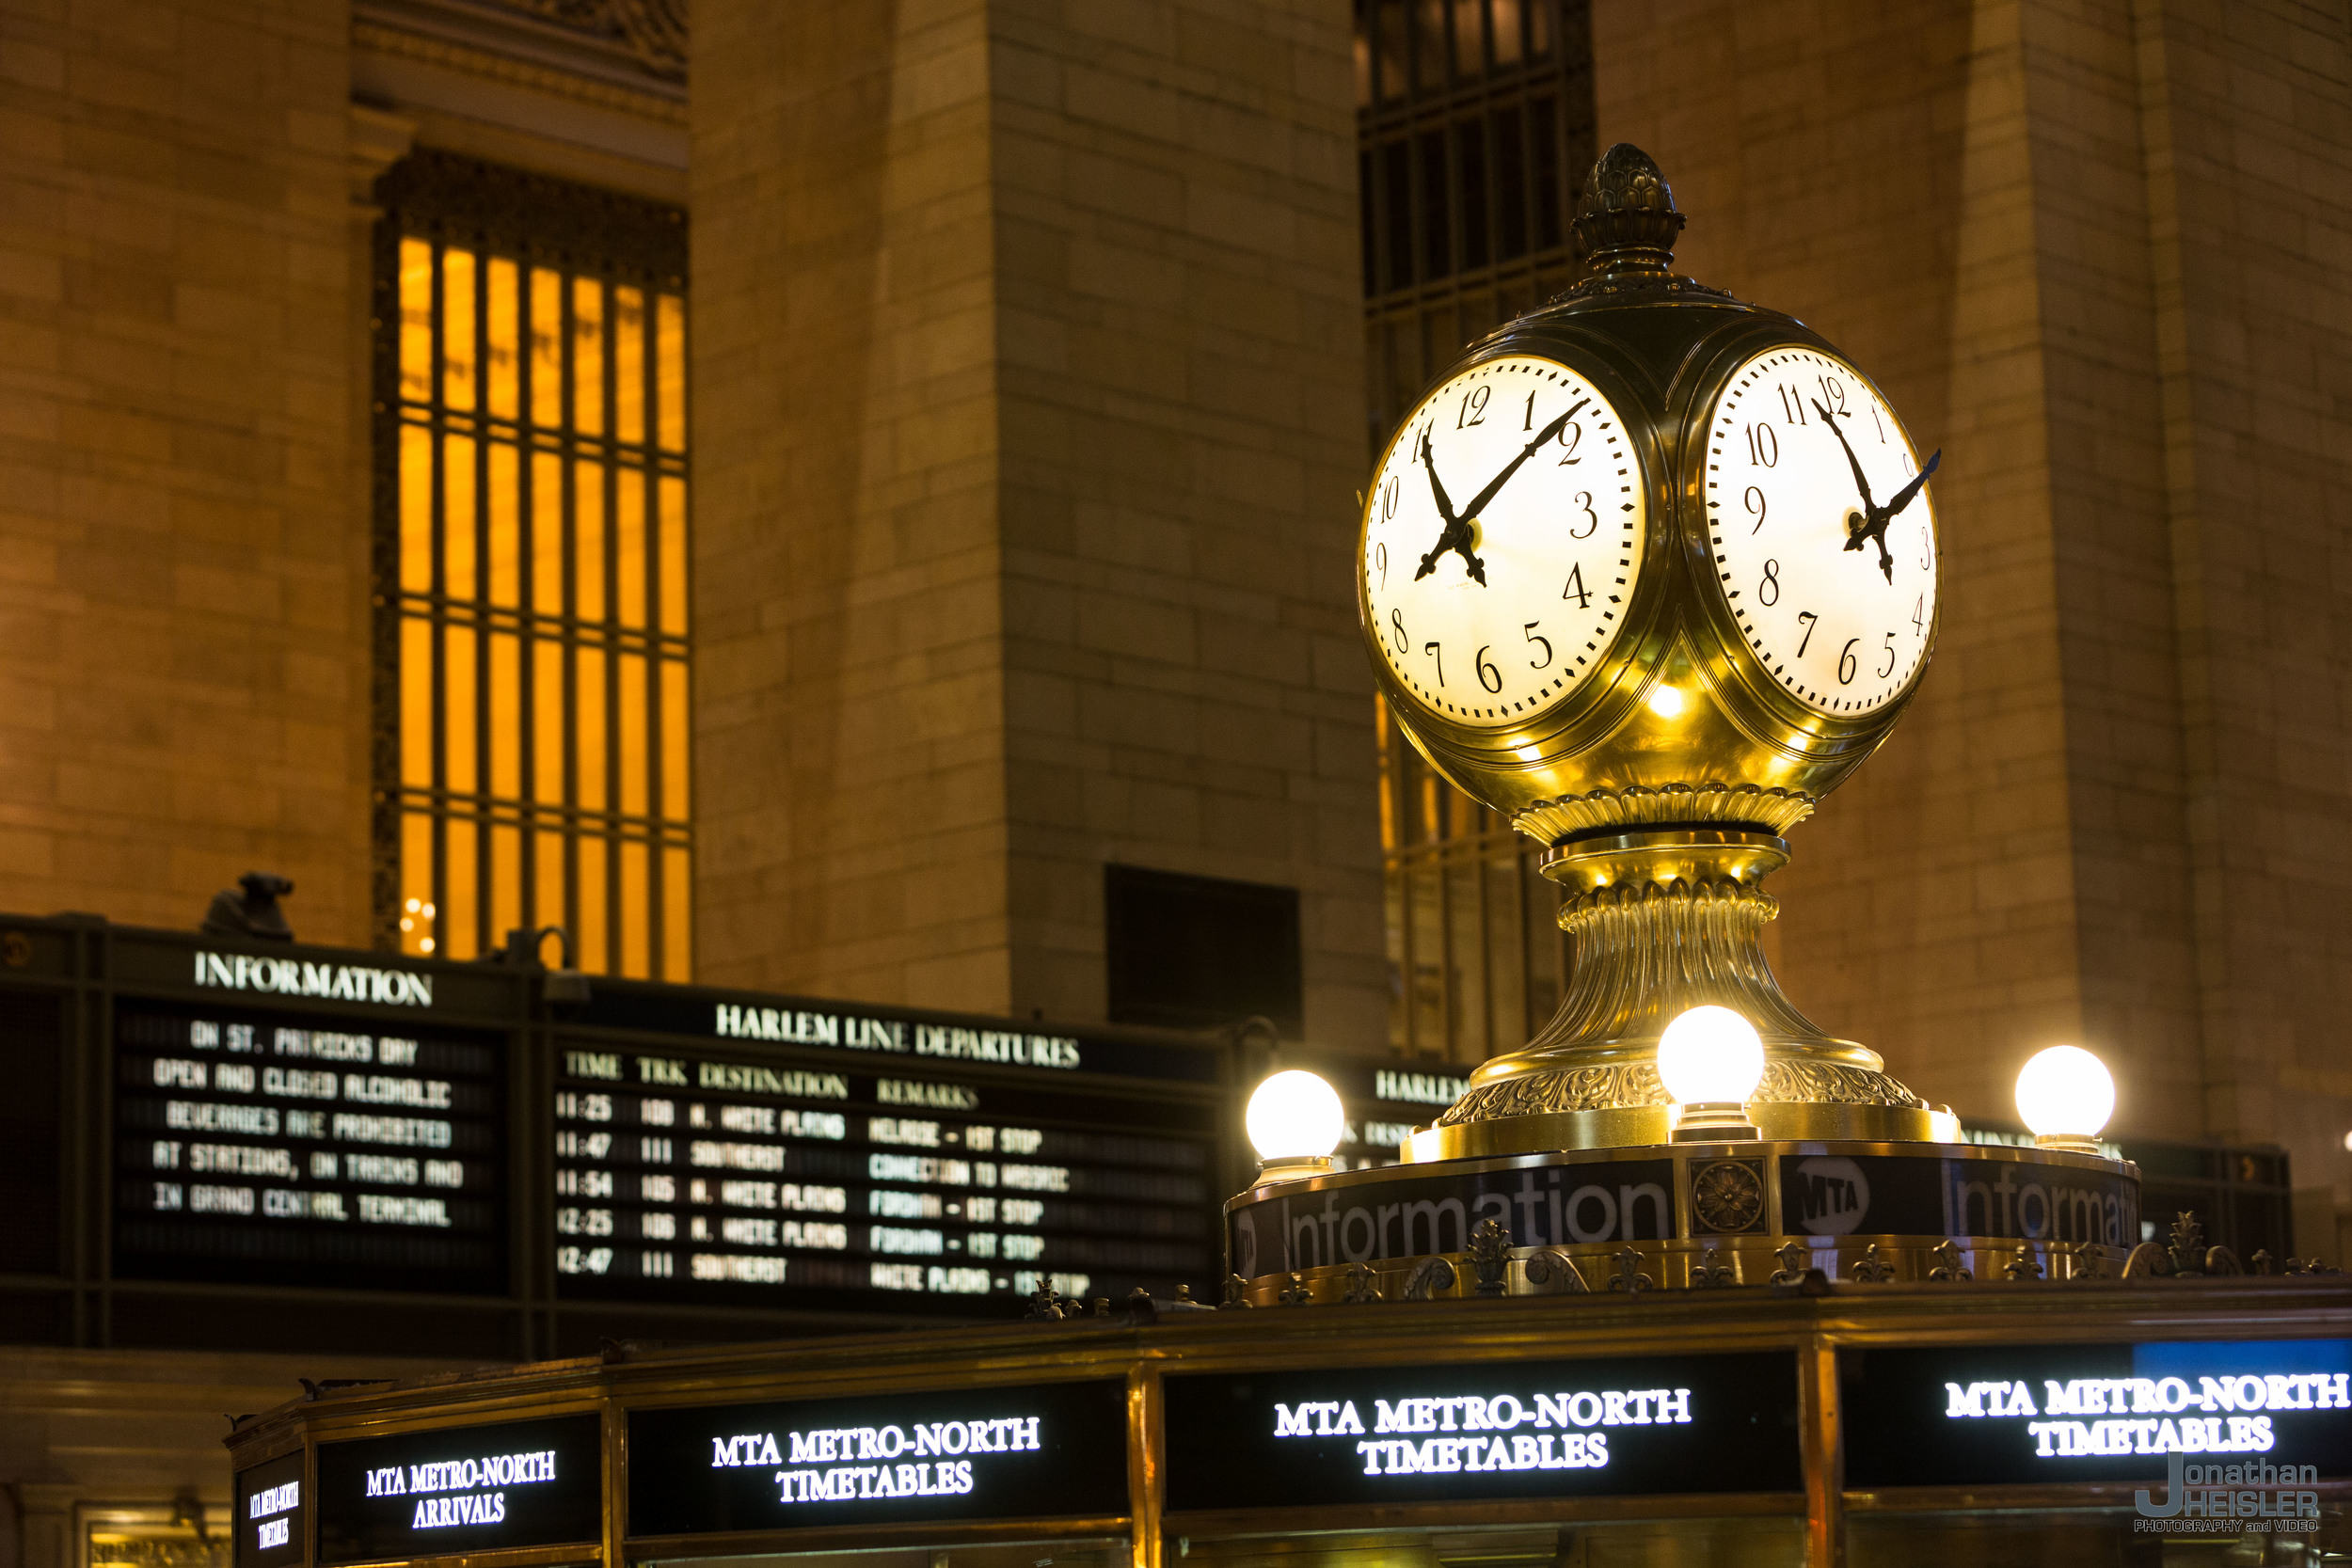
(1475, 124)
(531, 568)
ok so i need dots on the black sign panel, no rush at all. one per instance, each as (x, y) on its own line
(271, 1520)
(1028, 1450)
(309, 1150)
(1638, 1426)
(2035, 1414)
(702, 1179)
(1836, 1195)
(461, 1489)
(1618, 1201)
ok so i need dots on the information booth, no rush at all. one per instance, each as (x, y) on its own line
(2116, 1420)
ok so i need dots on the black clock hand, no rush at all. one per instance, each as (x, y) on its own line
(1862, 482)
(1902, 496)
(1455, 535)
(1527, 451)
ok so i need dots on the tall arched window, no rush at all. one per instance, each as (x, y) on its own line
(531, 568)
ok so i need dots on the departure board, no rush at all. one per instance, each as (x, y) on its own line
(683, 1179)
(305, 1150)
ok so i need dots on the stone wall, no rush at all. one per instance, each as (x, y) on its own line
(182, 580)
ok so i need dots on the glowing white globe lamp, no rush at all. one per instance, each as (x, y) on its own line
(1294, 1120)
(2066, 1095)
(1711, 1060)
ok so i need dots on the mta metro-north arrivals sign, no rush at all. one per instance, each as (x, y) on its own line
(461, 1489)
(1634, 1426)
(1023, 1451)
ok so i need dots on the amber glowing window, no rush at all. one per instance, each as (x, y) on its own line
(531, 640)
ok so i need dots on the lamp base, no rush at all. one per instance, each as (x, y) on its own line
(1714, 1122)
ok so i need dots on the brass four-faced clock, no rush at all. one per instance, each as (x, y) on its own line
(1651, 570)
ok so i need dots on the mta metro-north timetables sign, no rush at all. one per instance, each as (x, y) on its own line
(1015, 1451)
(1618, 1427)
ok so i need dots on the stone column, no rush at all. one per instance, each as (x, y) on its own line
(1028, 405)
(2097, 256)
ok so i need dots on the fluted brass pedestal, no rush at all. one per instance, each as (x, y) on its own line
(1665, 920)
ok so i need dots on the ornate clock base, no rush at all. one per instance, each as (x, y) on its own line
(1667, 920)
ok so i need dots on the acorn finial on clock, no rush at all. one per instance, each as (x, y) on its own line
(1650, 570)
(1628, 217)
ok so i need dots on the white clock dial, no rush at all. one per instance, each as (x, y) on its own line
(1823, 535)
(1502, 538)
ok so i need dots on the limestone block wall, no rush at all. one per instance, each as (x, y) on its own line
(182, 594)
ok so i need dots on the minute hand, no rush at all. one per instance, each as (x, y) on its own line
(1478, 503)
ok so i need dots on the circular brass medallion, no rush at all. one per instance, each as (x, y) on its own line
(1726, 1196)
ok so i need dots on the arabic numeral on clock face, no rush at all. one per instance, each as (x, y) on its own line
(1488, 676)
(1847, 664)
(1753, 501)
(1575, 588)
(1763, 446)
(1927, 548)
(1388, 498)
(1571, 436)
(1544, 662)
(1396, 624)
(1473, 411)
(1592, 518)
(1380, 561)
(1810, 621)
(1791, 403)
(1768, 591)
(1437, 651)
(1889, 650)
(1918, 616)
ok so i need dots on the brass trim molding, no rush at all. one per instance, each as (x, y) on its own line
(1635, 807)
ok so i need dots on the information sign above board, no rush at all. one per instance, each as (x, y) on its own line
(1640, 1426)
(1021, 1452)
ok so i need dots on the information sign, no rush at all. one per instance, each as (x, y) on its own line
(307, 1149)
(694, 1177)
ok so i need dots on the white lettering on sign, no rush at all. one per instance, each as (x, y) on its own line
(274, 1532)
(830, 1458)
(297, 978)
(2148, 1416)
(274, 1500)
(1418, 1088)
(1561, 1438)
(850, 1032)
(939, 1097)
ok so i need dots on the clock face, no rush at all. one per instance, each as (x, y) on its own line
(1501, 542)
(1822, 531)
